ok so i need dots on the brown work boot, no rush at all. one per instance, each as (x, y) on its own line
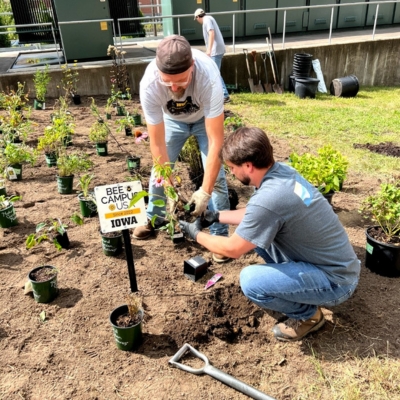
(219, 258)
(143, 232)
(292, 329)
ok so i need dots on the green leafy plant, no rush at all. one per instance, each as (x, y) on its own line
(19, 154)
(77, 218)
(84, 183)
(99, 132)
(127, 121)
(70, 164)
(70, 79)
(41, 80)
(383, 208)
(15, 99)
(176, 203)
(232, 123)
(326, 171)
(46, 230)
(7, 201)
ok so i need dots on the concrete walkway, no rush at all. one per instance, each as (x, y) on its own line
(144, 50)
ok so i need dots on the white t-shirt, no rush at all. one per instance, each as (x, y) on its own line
(209, 23)
(202, 98)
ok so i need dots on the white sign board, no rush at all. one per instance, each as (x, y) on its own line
(113, 206)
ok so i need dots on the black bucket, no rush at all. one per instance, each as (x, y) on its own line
(345, 87)
(306, 87)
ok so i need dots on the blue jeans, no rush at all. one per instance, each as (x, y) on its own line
(218, 59)
(176, 134)
(295, 289)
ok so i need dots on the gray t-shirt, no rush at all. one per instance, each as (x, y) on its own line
(209, 23)
(202, 98)
(289, 213)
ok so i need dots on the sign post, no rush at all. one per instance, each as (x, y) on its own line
(115, 215)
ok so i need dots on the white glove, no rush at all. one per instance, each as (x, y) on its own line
(200, 198)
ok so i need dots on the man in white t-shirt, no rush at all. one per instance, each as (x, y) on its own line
(215, 46)
(181, 96)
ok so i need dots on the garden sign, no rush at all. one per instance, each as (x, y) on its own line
(113, 206)
(116, 215)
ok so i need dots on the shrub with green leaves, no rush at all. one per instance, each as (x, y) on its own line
(383, 208)
(326, 171)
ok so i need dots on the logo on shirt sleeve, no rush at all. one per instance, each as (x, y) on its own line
(182, 107)
(303, 193)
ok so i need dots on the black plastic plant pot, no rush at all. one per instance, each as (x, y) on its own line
(126, 338)
(328, 196)
(382, 258)
(306, 87)
(102, 149)
(14, 172)
(8, 217)
(111, 243)
(63, 240)
(65, 184)
(3, 191)
(128, 131)
(39, 105)
(67, 140)
(108, 116)
(88, 207)
(195, 268)
(76, 98)
(178, 237)
(51, 159)
(45, 289)
(133, 163)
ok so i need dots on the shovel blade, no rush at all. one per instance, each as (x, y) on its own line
(277, 88)
(258, 88)
(267, 87)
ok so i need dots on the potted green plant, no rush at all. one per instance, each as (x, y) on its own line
(383, 239)
(50, 144)
(67, 166)
(41, 80)
(326, 171)
(70, 81)
(43, 281)
(52, 230)
(15, 156)
(126, 322)
(98, 134)
(8, 217)
(86, 198)
(127, 122)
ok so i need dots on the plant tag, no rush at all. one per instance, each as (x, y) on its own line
(212, 281)
(12, 175)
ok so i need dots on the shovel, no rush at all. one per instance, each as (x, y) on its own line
(215, 373)
(274, 58)
(276, 87)
(266, 84)
(251, 82)
(257, 84)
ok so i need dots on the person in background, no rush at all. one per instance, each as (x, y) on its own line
(215, 46)
(181, 95)
(308, 259)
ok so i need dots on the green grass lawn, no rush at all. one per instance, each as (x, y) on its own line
(373, 116)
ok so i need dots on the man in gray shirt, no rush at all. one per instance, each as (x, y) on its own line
(215, 46)
(308, 259)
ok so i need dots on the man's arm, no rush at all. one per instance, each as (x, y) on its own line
(211, 38)
(233, 246)
(215, 134)
(158, 146)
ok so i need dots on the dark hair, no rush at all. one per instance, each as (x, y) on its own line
(248, 145)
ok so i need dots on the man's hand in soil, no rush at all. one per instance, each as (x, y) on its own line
(208, 218)
(200, 199)
(191, 229)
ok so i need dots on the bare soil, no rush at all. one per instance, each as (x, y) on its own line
(72, 354)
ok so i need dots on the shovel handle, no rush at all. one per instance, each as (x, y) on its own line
(247, 61)
(215, 373)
